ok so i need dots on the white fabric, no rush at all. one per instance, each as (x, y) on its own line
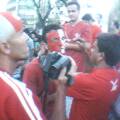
(24, 96)
(68, 102)
(6, 29)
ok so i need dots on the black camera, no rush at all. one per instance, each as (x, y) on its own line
(52, 63)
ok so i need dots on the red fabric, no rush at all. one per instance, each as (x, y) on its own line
(17, 24)
(93, 95)
(84, 30)
(96, 30)
(33, 77)
(39, 105)
(11, 107)
(53, 40)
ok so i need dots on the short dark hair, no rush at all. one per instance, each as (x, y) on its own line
(48, 28)
(74, 3)
(87, 17)
(109, 44)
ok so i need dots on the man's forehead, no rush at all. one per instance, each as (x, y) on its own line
(72, 7)
(52, 33)
(58, 32)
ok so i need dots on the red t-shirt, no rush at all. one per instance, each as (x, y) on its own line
(96, 30)
(71, 31)
(34, 78)
(16, 101)
(94, 94)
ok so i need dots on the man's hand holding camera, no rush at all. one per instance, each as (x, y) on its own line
(63, 77)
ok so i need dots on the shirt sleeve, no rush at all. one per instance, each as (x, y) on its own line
(83, 87)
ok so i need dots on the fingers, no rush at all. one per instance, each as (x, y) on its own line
(62, 78)
(62, 73)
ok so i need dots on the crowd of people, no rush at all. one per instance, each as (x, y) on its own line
(87, 82)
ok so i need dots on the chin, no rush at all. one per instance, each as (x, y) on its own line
(23, 58)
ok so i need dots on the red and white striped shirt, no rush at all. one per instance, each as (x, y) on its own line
(16, 101)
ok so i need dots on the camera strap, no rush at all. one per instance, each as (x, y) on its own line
(45, 92)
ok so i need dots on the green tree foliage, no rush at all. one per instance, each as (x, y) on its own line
(44, 9)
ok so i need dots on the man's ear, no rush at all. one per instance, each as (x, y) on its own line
(4, 48)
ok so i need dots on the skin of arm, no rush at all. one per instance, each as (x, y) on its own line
(59, 106)
(78, 45)
(73, 46)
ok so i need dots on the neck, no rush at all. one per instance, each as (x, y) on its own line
(73, 22)
(7, 64)
(103, 65)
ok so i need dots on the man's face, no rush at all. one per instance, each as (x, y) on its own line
(54, 40)
(95, 56)
(73, 12)
(18, 47)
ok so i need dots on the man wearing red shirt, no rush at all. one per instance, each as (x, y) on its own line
(75, 30)
(94, 93)
(33, 73)
(16, 101)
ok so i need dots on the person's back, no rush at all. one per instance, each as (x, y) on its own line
(93, 94)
